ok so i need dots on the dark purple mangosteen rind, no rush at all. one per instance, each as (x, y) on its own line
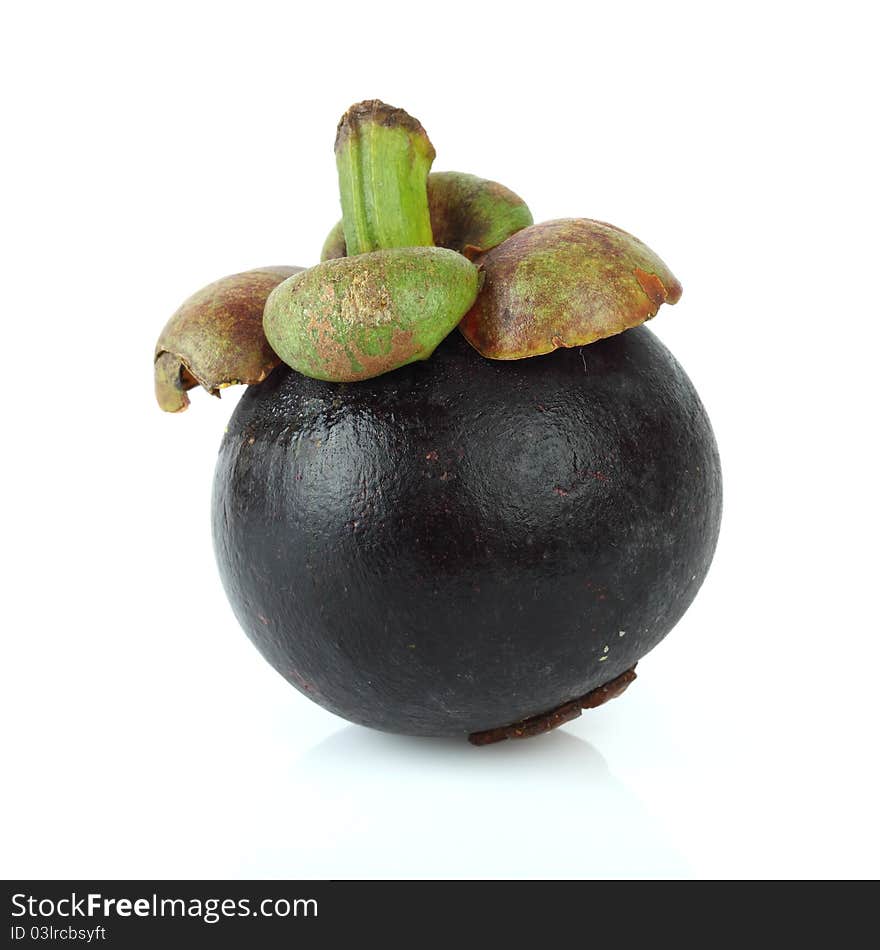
(463, 544)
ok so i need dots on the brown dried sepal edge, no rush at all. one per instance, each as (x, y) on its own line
(215, 338)
(564, 283)
(545, 722)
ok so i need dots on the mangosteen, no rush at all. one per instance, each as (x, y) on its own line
(436, 533)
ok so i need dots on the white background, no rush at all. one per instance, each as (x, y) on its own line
(151, 148)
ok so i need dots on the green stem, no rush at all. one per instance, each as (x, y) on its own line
(383, 157)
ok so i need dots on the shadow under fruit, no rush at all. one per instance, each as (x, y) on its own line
(425, 540)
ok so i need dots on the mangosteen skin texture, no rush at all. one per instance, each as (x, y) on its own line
(465, 543)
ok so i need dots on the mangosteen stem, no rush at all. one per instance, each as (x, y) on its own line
(383, 156)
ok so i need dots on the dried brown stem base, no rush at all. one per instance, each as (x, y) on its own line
(537, 725)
